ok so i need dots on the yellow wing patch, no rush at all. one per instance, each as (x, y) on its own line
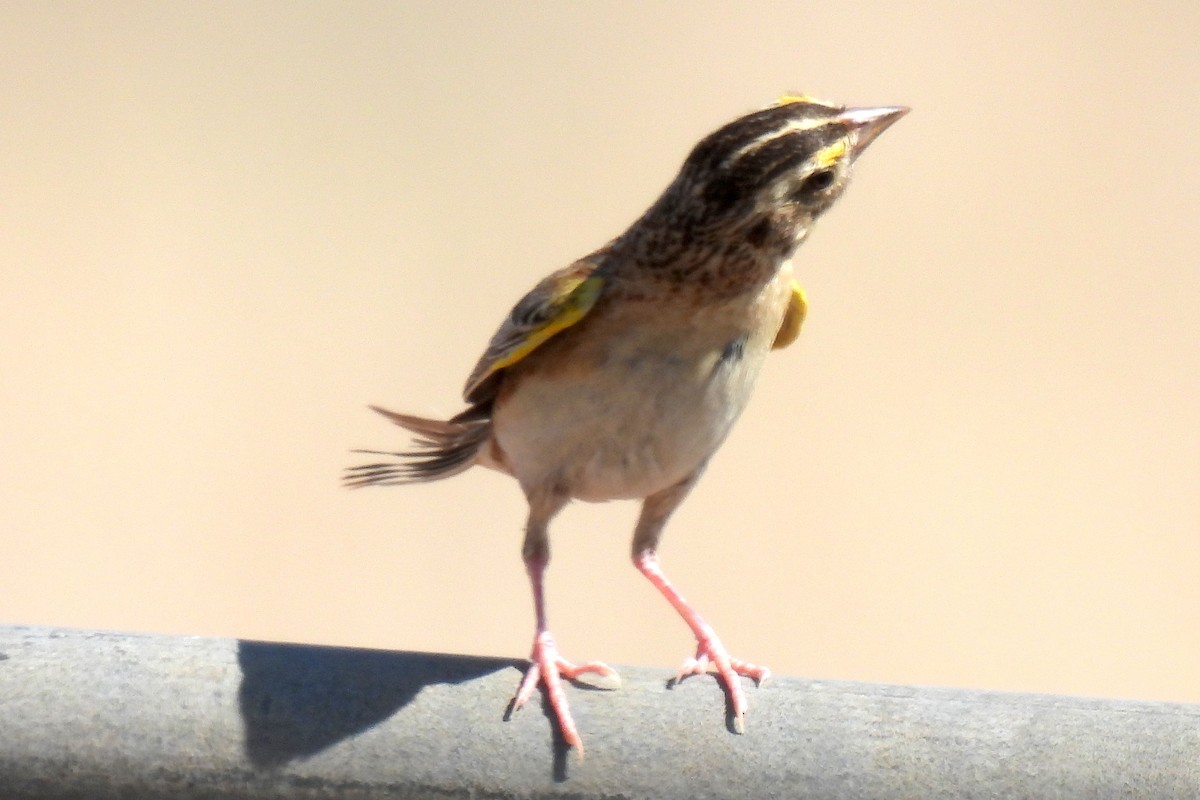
(793, 318)
(577, 302)
(555, 304)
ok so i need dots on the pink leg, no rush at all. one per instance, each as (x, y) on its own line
(548, 667)
(709, 650)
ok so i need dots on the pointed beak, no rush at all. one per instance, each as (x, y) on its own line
(868, 123)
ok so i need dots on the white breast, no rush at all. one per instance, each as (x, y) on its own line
(643, 405)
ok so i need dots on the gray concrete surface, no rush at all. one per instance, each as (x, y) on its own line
(88, 714)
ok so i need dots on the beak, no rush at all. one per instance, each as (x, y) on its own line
(867, 123)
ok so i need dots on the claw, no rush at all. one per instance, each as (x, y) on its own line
(711, 656)
(696, 665)
(548, 668)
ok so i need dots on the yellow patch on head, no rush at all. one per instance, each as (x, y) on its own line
(830, 154)
(800, 97)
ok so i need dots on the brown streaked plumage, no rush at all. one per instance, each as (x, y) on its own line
(619, 376)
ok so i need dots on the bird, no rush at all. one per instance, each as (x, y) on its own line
(618, 376)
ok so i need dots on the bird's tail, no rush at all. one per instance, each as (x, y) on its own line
(443, 448)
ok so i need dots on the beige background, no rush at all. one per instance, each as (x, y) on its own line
(225, 228)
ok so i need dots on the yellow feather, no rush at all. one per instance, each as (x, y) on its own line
(797, 97)
(580, 296)
(793, 318)
(793, 98)
(830, 154)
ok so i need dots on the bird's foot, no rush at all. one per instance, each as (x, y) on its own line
(548, 668)
(711, 656)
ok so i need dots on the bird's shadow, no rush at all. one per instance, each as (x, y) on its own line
(559, 749)
(297, 700)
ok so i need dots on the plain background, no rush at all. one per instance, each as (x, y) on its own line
(227, 227)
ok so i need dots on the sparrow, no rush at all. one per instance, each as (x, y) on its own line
(619, 376)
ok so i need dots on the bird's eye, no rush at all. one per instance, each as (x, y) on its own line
(817, 182)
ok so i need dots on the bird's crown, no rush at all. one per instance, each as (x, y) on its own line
(797, 151)
(748, 194)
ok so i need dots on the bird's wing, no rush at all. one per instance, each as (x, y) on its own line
(793, 318)
(555, 304)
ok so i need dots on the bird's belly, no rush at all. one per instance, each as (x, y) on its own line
(625, 424)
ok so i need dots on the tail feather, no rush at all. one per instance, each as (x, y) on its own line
(442, 449)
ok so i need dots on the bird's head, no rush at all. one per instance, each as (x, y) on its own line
(765, 177)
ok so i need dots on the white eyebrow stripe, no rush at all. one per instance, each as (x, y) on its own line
(791, 126)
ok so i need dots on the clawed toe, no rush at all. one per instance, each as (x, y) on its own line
(712, 657)
(549, 669)
(702, 663)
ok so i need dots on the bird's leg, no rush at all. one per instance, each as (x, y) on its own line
(710, 653)
(546, 665)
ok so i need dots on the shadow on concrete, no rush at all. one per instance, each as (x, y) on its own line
(297, 700)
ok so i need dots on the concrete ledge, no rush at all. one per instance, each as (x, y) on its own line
(95, 715)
